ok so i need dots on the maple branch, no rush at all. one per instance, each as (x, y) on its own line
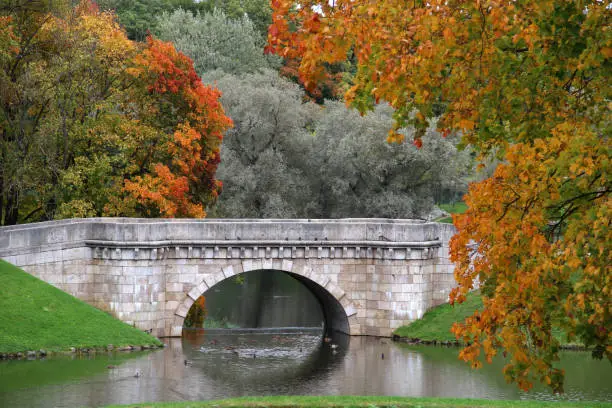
(597, 194)
(568, 84)
(529, 204)
(507, 208)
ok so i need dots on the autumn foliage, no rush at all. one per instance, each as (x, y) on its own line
(528, 83)
(95, 124)
(185, 182)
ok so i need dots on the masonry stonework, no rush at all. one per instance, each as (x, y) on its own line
(370, 275)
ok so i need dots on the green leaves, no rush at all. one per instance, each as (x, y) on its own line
(86, 109)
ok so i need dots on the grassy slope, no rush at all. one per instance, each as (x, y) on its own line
(35, 315)
(456, 208)
(436, 323)
(370, 402)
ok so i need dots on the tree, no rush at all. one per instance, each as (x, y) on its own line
(139, 17)
(91, 122)
(265, 156)
(258, 11)
(215, 41)
(287, 158)
(527, 82)
(53, 85)
(358, 174)
(183, 183)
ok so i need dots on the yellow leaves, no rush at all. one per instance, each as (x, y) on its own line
(466, 124)
(509, 86)
(395, 137)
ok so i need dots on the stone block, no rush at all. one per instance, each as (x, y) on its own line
(174, 287)
(182, 311)
(175, 296)
(372, 295)
(334, 290)
(172, 305)
(194, 293)
(186, 277)
(176, 331)
(252, 265)
(287, 265)
(384, 305)
(350, 311)
(127, 289)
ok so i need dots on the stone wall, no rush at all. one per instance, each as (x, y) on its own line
(370, 275)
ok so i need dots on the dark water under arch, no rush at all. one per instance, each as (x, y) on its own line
(269, 299)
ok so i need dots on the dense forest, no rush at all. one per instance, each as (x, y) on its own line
(104, 114)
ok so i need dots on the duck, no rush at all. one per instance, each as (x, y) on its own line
(188, 362)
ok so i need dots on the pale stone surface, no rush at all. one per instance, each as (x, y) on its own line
(149, 272)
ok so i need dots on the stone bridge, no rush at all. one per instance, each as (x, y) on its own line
(369, 275)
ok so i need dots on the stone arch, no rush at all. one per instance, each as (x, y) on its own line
(339, 310)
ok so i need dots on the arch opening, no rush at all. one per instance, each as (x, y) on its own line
(266, 298)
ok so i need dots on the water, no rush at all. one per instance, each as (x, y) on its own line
(293, 362)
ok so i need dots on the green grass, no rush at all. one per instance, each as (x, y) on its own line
(35, 315)
(455, 208)
(369, 402)
(435, 324)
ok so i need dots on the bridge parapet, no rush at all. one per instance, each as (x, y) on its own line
(232, 249)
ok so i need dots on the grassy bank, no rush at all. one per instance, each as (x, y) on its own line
(370, 402)
(435, 325)
(456, 208)
(35, 315)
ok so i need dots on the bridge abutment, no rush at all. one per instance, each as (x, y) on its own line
(371, 276)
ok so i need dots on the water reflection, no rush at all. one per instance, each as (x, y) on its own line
(210, 365)
(243, 357)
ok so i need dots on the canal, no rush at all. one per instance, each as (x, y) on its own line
(219, 364)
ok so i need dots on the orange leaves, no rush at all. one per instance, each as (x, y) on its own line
(182, 182)
(169, 69)
(506, 239)
(166, 192)
(394, 137)
(526, 82)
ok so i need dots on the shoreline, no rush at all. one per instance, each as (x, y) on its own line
(42, 353)
(366, 401)
(446, 343)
